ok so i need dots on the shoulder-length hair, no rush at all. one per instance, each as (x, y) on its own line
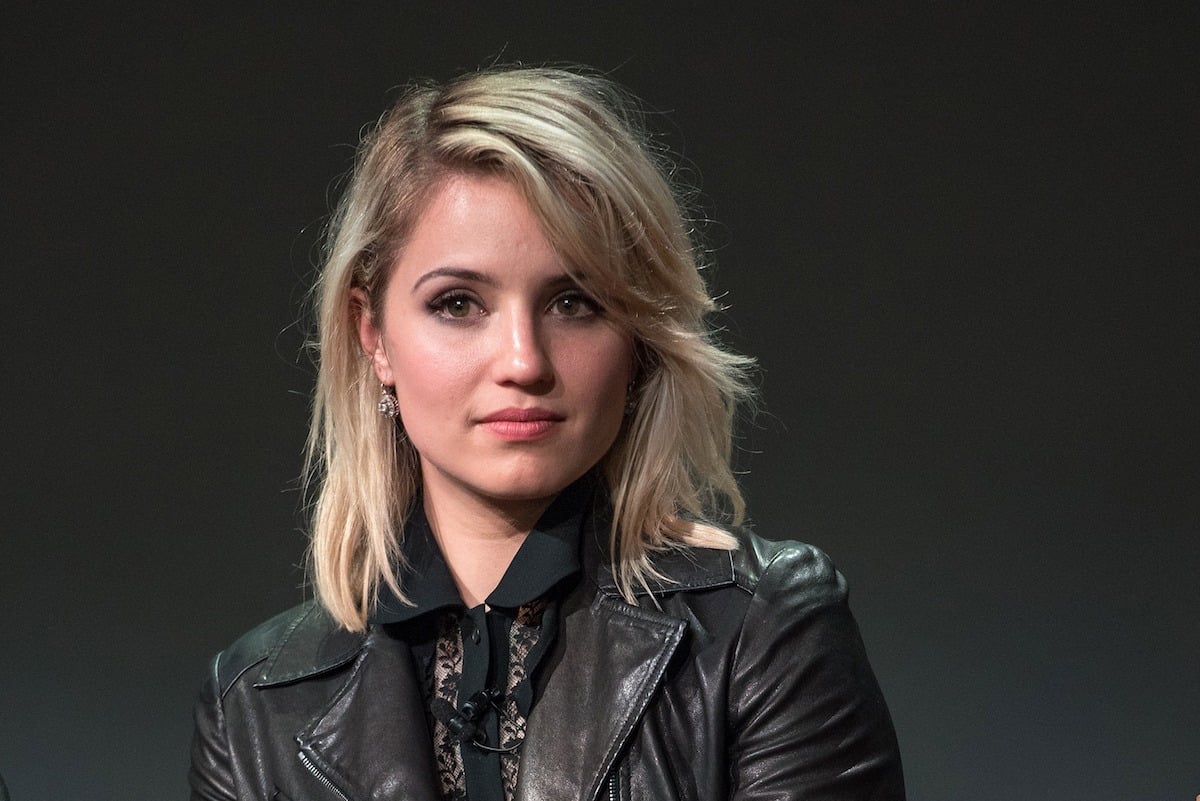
(573, 146)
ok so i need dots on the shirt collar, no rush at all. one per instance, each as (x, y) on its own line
(548, 556)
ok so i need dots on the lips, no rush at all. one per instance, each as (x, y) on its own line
(515, 415)
(515, 424)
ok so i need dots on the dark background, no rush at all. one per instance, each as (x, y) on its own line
(961, 240)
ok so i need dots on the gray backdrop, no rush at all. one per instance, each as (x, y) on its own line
(961, 240)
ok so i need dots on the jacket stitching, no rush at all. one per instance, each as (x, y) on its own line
(654, 680)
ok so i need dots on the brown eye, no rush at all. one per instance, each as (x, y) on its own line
(573, 304)
(453, 306)
(457, 307)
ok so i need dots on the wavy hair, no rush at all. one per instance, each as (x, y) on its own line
(573, 145)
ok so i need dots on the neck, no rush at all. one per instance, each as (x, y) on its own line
(478, 538)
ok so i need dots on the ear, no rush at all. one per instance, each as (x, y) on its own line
(370, 336)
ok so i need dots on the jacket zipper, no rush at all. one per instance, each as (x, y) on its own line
(614, 784)
(321, 777)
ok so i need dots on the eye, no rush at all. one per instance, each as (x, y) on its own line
(574, 304)
(454, 306)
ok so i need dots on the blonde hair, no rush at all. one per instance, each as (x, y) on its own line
(571, 143)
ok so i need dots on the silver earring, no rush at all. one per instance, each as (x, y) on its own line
(631, 401)
(388, 406)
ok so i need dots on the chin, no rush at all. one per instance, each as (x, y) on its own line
(527, 491)
(526, 486)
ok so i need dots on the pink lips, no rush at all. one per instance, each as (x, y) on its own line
(516, 425)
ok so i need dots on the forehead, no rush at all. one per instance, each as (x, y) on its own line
(469, 201)
(478, 223)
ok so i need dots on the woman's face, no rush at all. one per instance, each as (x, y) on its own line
(511, 381)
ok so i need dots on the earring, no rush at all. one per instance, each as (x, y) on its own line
(631, 401)
(388, 406)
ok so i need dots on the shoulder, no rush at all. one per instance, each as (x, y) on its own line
(771, 568)
(301, 642)
(758, 566)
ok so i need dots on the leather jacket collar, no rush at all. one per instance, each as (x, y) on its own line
(616, 659)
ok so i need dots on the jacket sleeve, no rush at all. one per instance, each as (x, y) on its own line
(808, 718)
(211, 774)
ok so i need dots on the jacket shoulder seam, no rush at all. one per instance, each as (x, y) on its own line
(255, 647)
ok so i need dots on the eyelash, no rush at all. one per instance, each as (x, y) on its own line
(440, 305)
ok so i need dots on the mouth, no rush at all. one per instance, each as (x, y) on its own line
(517, 425)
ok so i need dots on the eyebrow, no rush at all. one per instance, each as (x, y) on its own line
(460, 273)
(464, 274)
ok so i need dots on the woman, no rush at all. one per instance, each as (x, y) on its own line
(521, 434)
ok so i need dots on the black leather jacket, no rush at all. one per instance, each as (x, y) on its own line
(743, 677)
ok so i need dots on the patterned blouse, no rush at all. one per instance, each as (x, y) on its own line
(481, 665)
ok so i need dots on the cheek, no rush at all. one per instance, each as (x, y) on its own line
(424, 374)
(609, 369)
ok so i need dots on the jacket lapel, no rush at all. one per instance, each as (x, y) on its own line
(373, 743)
(609, 661)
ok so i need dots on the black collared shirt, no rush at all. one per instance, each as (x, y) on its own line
(495, 648)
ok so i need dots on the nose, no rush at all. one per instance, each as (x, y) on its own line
(523, 355)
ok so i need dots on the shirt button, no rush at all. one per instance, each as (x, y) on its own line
(470, 629)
